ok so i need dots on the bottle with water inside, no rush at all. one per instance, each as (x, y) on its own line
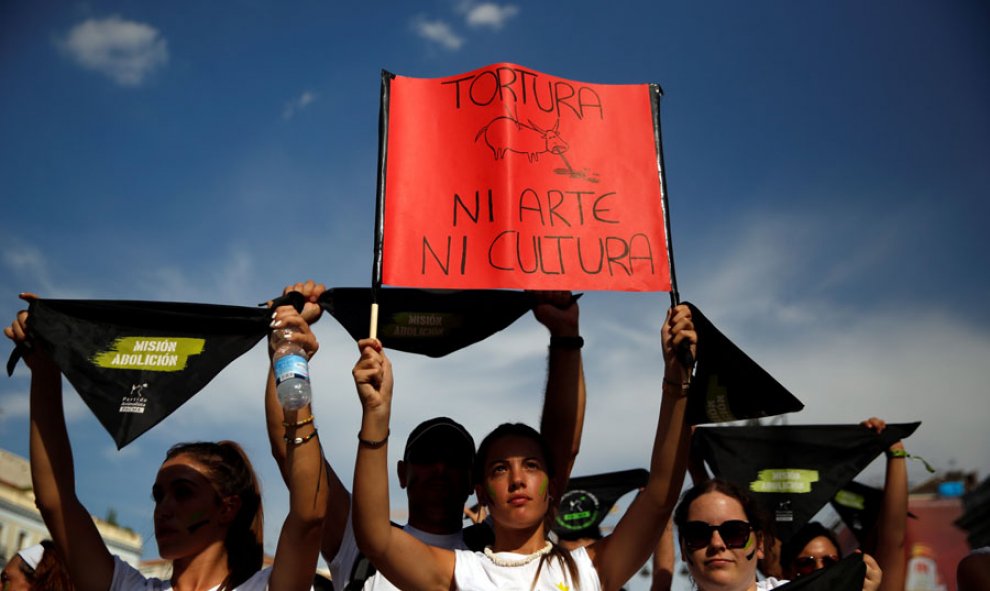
(291, 370)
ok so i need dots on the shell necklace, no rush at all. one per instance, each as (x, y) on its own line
(522, 560)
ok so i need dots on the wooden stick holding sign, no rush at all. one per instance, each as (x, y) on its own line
(376, 271)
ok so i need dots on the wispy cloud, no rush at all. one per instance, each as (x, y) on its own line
(489, 14)
(125, 51)
(437, 31)
(299, 103)
(28, 264)
(476, 15)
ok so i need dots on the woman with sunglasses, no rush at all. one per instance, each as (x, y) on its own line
(812, 548)
(722, 535)
(815, 547)
(514, 479)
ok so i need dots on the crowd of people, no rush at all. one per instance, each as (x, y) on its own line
(208, 513)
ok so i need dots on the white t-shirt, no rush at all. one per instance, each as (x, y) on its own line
(127, 578)
(343, 563)
(770, 583)
(473, 571)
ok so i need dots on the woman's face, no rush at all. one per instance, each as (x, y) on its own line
(516, 485)
(716, 566)
(13, 576)
(189, 513)
(817, 554)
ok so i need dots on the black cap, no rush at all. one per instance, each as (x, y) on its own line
(440, 439)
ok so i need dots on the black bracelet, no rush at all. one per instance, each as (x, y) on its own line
(300, 440)
(566, 343)
(374, 444)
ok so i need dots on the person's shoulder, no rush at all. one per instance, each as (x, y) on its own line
(128, 578)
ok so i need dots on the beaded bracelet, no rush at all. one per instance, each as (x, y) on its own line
(305, 421)
(374, 444)
(300, 440)
(681, 385)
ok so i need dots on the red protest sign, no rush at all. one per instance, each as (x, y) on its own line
(505, 177)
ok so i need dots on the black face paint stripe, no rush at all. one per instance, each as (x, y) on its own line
(192, 528)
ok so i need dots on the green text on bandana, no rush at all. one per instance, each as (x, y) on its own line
(150, 353)
(791, 480)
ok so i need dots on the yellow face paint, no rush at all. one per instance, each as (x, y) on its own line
(749, 542)
(544, 486)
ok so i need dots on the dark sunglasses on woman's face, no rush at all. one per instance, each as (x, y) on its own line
(698, 534)
(805, 565)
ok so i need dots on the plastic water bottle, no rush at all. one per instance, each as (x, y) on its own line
(291, 371)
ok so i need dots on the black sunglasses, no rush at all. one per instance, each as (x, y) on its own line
(805, 565)
(698, 534)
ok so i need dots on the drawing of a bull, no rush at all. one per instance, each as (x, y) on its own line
(506, 134)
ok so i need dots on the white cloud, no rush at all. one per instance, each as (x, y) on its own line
(298, 104)
(125, 51)
(771, 288)
(489, 14)
(437, 31)
(15, 406)
(28, 264)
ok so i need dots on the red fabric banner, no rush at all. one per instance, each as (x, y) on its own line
(505, 177)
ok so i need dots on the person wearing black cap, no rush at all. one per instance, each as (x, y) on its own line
(435, 469)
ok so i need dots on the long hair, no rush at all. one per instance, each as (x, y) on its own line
(231, 474)
(50, 574)
(504, 430)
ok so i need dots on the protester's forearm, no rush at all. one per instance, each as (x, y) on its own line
(371, 501)
(52, 471)
(307, 478)
(663, 560)
(562, 419)
(893, 525)
(299, 541)
(72, 529)
(274, 417)
(668, 462)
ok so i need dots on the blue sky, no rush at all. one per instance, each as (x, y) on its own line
(827, 171)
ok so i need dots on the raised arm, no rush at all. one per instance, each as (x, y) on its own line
(892, 526)
(72, 529)
(299, 541)
(618, 556)
(562, 419)
(338, 499)
(663, 560)
(404, 560)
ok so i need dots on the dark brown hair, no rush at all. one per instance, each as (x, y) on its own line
(754, 514)
(50, 574)
(231, 474)
(789, 550)
(504, 430)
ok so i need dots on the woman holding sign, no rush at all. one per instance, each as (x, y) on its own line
(208, 517)
(513, 478)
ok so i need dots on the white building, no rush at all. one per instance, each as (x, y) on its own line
(20, 520)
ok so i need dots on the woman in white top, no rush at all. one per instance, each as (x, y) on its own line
(515, 482)
(722, 533)
(208, 517)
